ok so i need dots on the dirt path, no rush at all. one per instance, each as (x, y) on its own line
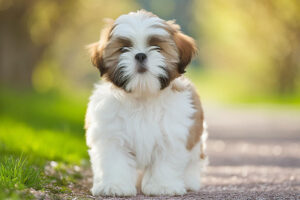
(254, 154)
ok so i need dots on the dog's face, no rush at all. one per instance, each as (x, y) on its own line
(141, 53)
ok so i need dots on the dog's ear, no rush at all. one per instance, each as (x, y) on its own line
(96, 49)
(187, 49)
(185, 44)
(97, 56)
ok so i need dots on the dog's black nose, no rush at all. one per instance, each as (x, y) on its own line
(140, 57)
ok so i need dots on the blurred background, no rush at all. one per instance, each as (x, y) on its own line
(249, 58)
(248, 51)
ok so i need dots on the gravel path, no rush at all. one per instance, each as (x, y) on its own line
(254, 154)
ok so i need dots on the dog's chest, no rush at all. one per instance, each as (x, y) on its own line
(153, 127)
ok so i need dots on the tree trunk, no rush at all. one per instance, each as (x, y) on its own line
(19, 54)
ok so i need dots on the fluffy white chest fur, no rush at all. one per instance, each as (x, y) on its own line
(150, 134)
(144, 116)
(143, 127)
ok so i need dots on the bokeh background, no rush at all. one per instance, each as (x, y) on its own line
(248, 51)
(249, 57)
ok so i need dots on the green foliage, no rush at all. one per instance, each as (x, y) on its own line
(40, 128)
(256, 41)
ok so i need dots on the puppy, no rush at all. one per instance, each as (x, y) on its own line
(144, 116)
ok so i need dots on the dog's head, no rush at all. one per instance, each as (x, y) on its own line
(139, 52)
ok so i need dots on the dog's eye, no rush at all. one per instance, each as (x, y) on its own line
(124, 49)
(156, 48)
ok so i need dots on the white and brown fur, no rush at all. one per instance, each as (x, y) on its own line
(144, 116)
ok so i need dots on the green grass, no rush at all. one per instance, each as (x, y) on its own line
(34, 130)
(17, 173)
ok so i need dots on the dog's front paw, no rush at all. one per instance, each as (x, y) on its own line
(156, 188)
(192, 184)
(113, 189)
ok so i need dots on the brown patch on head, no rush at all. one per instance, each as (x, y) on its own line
(168, 49)
(105, 55)
(186, 45)
(111, 58)
(112, 52)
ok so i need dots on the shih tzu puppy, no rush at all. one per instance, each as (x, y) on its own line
(144, 122)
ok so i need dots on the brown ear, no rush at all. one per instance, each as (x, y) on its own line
(185, 44)
(96, 49)
(187, 49)
(96, 56)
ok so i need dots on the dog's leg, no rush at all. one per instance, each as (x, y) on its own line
(114, 170)
(196, 166)
(192, 175)
(165, 176)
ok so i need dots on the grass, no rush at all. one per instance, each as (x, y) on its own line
(34, 130)
(17, 173)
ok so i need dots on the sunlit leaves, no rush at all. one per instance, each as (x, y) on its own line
(255, 39)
